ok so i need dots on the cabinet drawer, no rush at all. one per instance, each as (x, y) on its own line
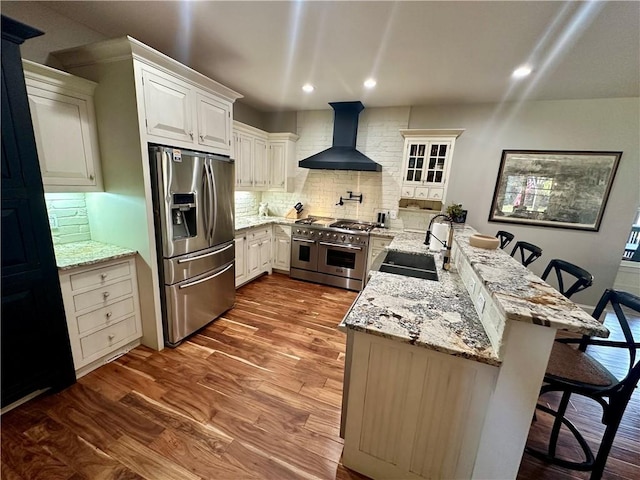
(380, 243)
(258, 233)
(282, 230)
(407, 192)
(99, 276)
(104, 339)
(422, 192)
(105, 315)
(101, 296)
(436, 193)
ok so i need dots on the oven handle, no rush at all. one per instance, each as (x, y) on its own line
(303, 240)
(340, 246)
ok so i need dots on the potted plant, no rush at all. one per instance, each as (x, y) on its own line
(456, 213)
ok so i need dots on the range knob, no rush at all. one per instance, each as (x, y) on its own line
(357, 239)
(335, 235)
(351, 239)
(298, 231)
(342, 237)
(320, 234)
(311, 232)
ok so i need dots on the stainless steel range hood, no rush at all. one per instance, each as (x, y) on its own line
(343, 154)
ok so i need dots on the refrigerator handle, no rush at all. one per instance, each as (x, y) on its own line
(206, 279)
(214, 201)
(205, 201)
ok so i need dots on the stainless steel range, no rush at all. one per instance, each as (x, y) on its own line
(330, 251)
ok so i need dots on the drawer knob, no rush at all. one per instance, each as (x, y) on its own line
(111, 336)
(103, 276)
(105, 294)
(109, 314)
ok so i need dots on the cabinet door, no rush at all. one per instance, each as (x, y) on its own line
(436, 164)
(244, 160)
(260, 170)
(253, 258)
(63, 138)
(241, 264)
(214, 123)
(168, 107)
(265, 255)
(35, 348)
(277, 166)
(415, 162)
(282, 252)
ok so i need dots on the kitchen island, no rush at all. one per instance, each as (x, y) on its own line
(442, 378)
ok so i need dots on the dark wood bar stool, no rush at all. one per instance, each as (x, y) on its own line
(529, 252)
(504, 237)
(574, 371)
(567, 272)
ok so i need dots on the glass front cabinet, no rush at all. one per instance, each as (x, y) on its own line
(426, 163)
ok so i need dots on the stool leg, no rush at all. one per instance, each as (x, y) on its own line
(557, 424)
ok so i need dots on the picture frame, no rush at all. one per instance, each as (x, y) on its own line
(554, 188)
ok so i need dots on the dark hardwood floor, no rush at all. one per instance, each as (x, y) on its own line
(256, 394)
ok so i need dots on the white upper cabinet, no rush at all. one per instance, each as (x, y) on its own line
(264, 161)
(176, 110)
(282, 164)
(168, 106)
(64, 125)
(214, 121)
(427, 158)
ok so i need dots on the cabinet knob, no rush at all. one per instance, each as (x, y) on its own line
(91, 177)
(202, 138)
(191, 135)
(109, 314)
(111, 336)
(105, 295)
(103, 276)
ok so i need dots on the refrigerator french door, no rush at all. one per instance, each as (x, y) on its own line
(193, 213)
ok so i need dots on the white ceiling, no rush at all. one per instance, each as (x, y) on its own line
(421, 53)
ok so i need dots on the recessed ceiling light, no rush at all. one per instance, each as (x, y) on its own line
(307, 87)
(370, 83)
(522, 71)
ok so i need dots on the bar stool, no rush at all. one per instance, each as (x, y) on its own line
(574, 371)
(529, 252)
(564, 270)
(504, 237)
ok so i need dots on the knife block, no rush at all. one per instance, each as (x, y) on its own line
(292, 214)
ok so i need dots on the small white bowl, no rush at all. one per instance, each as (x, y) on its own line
(483, 241)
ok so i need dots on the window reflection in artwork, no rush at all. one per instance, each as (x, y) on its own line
(553, 188)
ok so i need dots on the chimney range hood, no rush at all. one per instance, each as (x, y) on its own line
(343, 154)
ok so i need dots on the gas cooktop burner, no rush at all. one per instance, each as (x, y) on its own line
(352, 225)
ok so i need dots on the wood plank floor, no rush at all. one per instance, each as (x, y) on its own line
(256, 394)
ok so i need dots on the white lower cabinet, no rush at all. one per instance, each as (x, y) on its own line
(376, 245)
(103, 312)
(253, 254)
(281, 247)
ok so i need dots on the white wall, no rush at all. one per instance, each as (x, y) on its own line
(319, 190)
(68, 217)
(601, 124)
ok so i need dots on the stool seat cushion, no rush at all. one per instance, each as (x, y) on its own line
(569, 363)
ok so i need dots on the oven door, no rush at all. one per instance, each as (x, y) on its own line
(304, 254)
(342, 260)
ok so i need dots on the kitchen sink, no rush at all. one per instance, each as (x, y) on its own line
(409, 265)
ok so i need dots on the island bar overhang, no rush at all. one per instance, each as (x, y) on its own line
(476, 405)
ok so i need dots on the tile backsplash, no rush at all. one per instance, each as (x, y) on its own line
(68, 217)
(247, 203)
(320, 190)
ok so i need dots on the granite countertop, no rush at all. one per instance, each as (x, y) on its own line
(522, 296)
(80, 254)
(243, 223)
(386, 232)
(436, 315)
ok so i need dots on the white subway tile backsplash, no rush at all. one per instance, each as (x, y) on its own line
(70, 212)
(319, 190)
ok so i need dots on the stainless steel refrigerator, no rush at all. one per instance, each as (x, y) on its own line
(193, 213)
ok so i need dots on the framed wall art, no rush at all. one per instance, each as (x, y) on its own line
(561, 189)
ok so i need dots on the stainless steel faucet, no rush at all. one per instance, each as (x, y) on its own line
(446, 263)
